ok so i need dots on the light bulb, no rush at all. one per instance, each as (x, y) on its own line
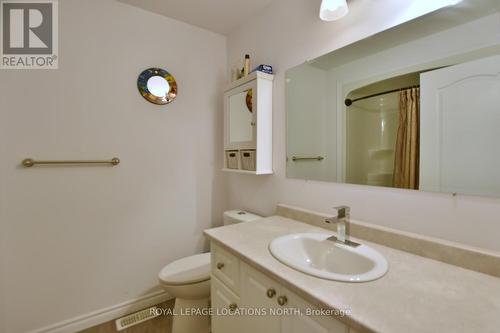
(332, 10)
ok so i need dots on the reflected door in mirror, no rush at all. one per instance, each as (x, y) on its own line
(460, 133)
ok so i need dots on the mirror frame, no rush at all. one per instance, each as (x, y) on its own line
(142, 85)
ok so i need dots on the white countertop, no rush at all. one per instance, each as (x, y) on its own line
(416, 295)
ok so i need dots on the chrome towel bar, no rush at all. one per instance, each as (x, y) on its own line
(29, 162)
(316, 158)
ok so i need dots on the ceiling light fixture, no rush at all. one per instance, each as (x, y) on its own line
(332, 10)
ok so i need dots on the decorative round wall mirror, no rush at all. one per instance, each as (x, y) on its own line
(157, 86)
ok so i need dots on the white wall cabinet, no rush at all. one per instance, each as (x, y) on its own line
(285, 312)
(248, 125)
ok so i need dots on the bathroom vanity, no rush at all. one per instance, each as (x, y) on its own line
(256, 302)
(417, 294)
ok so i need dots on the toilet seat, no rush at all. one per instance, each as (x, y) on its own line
(188, 270)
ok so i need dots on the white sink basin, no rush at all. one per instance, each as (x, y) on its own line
(313, 254)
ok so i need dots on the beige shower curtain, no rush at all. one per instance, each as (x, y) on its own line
(406, 159)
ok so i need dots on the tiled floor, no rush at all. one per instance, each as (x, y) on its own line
(161, 324)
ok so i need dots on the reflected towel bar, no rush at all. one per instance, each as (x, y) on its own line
(29, 162)
(316, 158)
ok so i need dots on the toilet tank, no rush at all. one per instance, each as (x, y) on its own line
(238, 216)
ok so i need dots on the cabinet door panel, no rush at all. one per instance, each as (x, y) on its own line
(254, 295)
(303, 324)
(222, 300)
(240, 117)
(308, 323)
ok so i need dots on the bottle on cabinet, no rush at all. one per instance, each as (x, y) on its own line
(246, 66)
(242, 72)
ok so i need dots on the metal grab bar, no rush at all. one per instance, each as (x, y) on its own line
(317, 158)
(29, 162)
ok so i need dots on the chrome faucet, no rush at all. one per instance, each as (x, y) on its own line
(343, 226)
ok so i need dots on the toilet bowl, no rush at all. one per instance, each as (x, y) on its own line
(188, 280)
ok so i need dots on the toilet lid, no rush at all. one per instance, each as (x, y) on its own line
(187, 270)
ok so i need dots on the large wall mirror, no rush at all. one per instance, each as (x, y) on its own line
(415, 107)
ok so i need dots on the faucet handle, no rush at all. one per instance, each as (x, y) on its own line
(343, 211)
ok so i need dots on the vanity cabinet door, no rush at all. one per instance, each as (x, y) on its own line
(306, 322)
(260, 293)
(224, 304)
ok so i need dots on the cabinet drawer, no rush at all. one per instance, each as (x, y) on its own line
(226, 267)
(248, 161)
(224, 302)
(232, 161)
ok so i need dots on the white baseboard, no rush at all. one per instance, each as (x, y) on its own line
(103, 315)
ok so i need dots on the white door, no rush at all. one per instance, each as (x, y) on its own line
(460, 128)
(308, 322)
(260, 293)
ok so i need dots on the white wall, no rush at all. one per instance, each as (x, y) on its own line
(80, 239)
(289, 33)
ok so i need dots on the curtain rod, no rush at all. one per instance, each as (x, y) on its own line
(348, 101)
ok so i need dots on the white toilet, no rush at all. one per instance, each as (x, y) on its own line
(188, 280)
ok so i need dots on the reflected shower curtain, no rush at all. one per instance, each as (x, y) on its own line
(406, 157)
